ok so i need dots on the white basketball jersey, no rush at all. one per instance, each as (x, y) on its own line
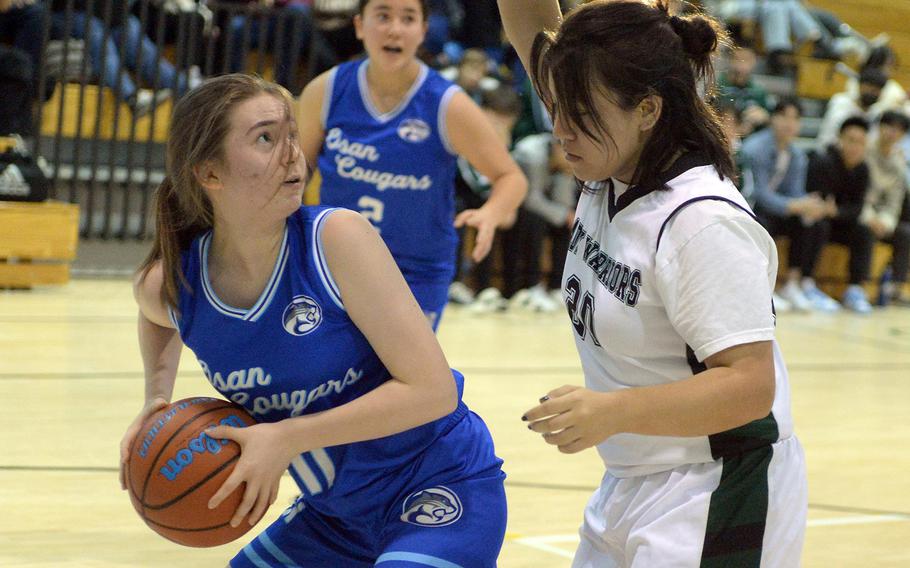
(658, 280)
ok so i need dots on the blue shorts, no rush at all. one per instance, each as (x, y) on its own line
(432, 296)
(446, 510)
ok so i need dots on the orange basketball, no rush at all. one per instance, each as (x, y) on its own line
(174, 468)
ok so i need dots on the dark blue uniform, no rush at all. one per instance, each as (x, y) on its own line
(432, 495)
(398, 170)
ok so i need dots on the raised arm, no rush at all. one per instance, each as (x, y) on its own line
(524, 19)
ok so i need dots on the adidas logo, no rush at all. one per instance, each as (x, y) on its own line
(12, 182)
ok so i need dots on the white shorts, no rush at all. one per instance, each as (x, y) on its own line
(748, 511)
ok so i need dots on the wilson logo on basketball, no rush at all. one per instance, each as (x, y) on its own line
(199, 445)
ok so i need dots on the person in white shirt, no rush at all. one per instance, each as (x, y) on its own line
(668, 282)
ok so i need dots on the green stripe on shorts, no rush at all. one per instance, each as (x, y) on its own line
(738, 511)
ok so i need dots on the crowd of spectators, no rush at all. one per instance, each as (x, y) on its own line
(849, 185)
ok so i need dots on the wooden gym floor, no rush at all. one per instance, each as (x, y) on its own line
(71, 380)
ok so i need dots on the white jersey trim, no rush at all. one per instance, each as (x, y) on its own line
(265, 298)
(441, 124)
(368, 103)
(327, 98)
(322, 267)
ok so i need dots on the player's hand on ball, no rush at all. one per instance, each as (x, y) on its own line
(126, 442)
(573, 418)
(264, 457)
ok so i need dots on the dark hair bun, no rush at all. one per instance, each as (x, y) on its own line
(699, 37)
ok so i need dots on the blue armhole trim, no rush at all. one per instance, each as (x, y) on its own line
(441, 119)
(322, 267)
(685, 204)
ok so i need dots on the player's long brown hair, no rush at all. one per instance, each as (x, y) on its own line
(634, 48)
(199, 126)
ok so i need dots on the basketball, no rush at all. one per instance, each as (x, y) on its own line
(174, 468)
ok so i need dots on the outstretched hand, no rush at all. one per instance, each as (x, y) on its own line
(485, 220)
(264, 456)
(573, 418)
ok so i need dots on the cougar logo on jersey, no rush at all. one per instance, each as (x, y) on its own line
(435, 507)
(302, 316)
(413, 130)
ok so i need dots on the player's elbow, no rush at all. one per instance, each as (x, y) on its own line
(445, 396)
(761, 397)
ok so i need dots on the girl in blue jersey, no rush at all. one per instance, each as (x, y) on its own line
(386, 132)
(300, 315)
(668, 282)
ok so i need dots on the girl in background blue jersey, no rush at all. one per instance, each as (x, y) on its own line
(386, 132)
(351, 391)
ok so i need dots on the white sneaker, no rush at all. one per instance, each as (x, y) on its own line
(781, 305)
(819, 300)
(520, 300)
(488, 300)
(541, 301)
(855, 300)
(792, 293)
(556, 296)
(460, 294)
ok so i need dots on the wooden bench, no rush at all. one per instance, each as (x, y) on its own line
(832, 268)
(37, 243)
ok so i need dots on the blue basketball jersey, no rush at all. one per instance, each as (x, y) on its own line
(397, 168)
(296, 352)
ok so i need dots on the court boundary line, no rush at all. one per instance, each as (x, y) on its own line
(545, 543)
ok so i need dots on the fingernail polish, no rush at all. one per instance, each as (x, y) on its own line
(525, 418)
(529, 427)
(544, 398)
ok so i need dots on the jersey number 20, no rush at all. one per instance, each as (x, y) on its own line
(581, 309)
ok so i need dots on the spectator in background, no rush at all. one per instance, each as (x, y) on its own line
(846, 104)
(298, 38)
(886, 196)
(781, 203)
(472, 74)
(108, 63)
(22, 26)
(732, 123)
(737, 85)
(893, 95)
(548, 211)
(841, 175)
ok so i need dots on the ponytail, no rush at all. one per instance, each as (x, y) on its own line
(175, 230)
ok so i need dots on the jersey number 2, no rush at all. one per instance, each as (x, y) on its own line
(581, 309)
(372, 209)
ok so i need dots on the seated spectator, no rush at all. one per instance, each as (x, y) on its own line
(108, 63)
(846, 104)
(22, 26)
(472, 74)
(737, 85)
(893, 95)
(298, 38)
(781, 203)
(732, 123)
(886, 196)
(841, 175)
(548, 211)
